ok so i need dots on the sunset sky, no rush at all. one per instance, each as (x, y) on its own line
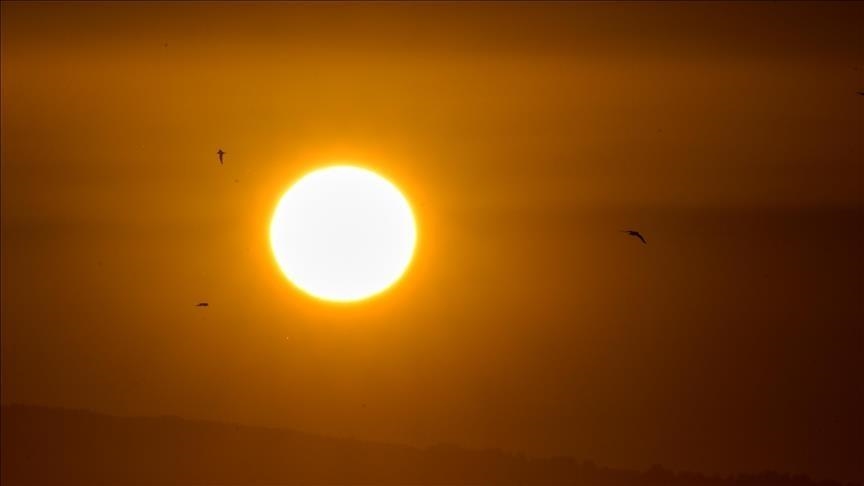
(526, 136)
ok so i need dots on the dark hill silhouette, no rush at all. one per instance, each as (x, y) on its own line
(42, 446)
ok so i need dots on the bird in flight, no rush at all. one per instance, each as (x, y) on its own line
(220, 153)
(202, 304)
(636, 234)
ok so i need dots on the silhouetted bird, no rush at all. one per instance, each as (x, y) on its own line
(202, 304)
(636, 234)
(860, 93)
(220, 153)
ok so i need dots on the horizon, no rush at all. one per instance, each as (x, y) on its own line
(681, 475)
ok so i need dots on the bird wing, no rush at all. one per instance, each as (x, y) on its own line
(639, 235)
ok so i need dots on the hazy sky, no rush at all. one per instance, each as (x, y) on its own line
(526, 136)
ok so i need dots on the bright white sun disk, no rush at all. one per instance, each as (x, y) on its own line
(343, 233)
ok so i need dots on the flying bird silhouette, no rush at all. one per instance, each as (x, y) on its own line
(220, 153)
(636, 234)
(202, 304)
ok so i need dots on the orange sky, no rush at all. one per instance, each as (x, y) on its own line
(526, 136)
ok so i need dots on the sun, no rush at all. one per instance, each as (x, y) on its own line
(343, 233)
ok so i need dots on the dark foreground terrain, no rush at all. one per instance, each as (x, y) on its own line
(69, 447)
